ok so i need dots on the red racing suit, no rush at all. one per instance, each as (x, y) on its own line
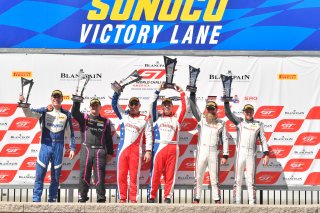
(129, 153)
(165, 149)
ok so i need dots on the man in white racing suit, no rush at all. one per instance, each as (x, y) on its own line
(212, 133)
(248, 133)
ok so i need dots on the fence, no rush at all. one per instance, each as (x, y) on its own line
(282, 195)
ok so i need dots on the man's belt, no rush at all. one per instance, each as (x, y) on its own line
(94, 147)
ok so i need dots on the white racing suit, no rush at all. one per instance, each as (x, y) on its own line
(248, 133)
(209, 139)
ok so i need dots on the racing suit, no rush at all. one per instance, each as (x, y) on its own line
(248, 132)
(129, 153)
(210, 136)
(166, 148)
(96, 140)
(55, 124)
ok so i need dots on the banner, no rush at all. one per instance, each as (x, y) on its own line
(284, 92)
(161, 24)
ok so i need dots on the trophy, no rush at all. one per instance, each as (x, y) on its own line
(170, 65)
(193, 75)
(133, 77)
(25, 82)
(83, 80)
(226, 82)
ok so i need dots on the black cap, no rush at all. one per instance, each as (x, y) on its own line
(95, 101)
(56, 92)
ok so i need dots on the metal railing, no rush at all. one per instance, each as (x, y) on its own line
(281, 195)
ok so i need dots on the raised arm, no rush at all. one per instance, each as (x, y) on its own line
(115, 106)
(75, 112)
(182, 112)
(153, 106)
(232, 117)
(194, 107)
(33, 113)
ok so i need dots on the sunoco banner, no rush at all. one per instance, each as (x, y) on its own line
(284, 92)
(161, 24)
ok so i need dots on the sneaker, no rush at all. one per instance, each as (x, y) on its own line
(217, 201)
(122, 201)
(51, 200)
(196, 201)
(83, 199)
(151, 200)
(167, 200)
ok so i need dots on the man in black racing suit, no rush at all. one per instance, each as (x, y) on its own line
(96, 149)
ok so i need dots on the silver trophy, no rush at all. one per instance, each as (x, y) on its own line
(25, 82)
(226, 82)
(119, 86)
(193, 75)
(170, 65)
(83, 80)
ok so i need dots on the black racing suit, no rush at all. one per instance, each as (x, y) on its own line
(96, 140)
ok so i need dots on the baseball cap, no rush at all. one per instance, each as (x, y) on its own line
(56, 92)
(95, 101)
(211, 104)
(167, 100)
(248, 106)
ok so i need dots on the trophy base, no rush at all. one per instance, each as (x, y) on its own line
(77, 98)
(226, 99)
(116, 87)
(23, 105)
(191, 89)
(169, 86)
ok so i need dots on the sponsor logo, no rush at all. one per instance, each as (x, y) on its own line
(111, 177)
(7, 110)
(6, 176)
(292, 178)
(186, 177)
(19, 74)
(282, 139)
(308, 139)
(275, 165)
(8, 163)
(152, 73)
(74, 76)
(235, 78)
(251, 98)
(314, 113)
(298, 165)
(279, 151)
(287, 76)
(108, 112)
(231, 127)
(29, 164)
(289, 125)
(188, 124)
(14, 150)
(268, 112)
(267, 178)
(3, 124)
(303, 152)
(26, 176)
(23, 123)
(19, 138)
(313, 179)
(294, 112)
(187, 164)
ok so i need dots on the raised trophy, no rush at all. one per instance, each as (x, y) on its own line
(83, 80)
(193, 75)
(119, 86)
(170, 65)
(226, 82)
(25, 82)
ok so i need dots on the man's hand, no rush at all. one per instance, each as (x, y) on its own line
(109, 158)
(223, 161)
(71, 155)
(21, 98)
(161, 87)
(147, 156)
(266, 160)
(178, 88)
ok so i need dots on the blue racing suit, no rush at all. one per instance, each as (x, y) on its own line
(55, 124)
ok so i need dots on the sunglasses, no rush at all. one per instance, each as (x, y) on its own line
(134, 103)
(211, 108)
(56, 96)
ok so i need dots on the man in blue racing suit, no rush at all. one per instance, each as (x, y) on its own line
(55, 124)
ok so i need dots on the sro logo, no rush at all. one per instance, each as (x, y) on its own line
(268, 112)
(151, 74)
